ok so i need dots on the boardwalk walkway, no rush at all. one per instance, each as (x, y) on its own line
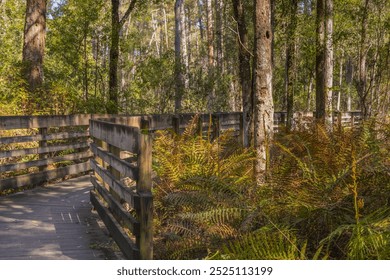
(52, 222)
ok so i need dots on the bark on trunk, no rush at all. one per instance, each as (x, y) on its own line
(362, 82)
(245, 73)
(320, 61)
(290, 62)
(179, 75)
(116, 25)
(34, 43)
(112, 106)
(329, 64)
(263, 102)
(211, 58)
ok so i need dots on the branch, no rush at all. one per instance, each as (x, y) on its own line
(127, 14)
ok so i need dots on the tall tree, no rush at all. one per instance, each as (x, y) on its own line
(245, 73)
(116, 26)
(363, 49)
(179, 56)
(263, 101)
(210, 52)
(328, 63)
(324, 62)
(291, 61)
(34, 43)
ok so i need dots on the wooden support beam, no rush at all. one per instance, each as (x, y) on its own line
(144, 187)
(42, 150)
(125, 168)
(126, 245)
(120, 136)
(124, 192)
(126, 218)
(36, 179)
(39, 137)
(36, 163)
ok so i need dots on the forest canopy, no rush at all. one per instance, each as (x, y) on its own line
(79, 48)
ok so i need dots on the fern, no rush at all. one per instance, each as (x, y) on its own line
(266, 243)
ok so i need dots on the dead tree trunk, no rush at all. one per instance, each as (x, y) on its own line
(263, 102)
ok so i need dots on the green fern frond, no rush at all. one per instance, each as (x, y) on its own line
(266, 244)
(215, 216)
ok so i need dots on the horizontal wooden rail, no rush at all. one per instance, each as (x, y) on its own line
(125, 168)
(111, 141)
(58, 140)
(43, 162)
(36, 179)
(131, 197)
(43, 150)
(47, 137)
(123, 241)
(121, 136)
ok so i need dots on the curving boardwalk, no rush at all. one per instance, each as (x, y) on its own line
(53, 222)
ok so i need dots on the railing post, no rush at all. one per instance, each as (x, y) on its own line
(216, 120)
(176, 124)
(43, 144)
(199, 125)
(144, 188)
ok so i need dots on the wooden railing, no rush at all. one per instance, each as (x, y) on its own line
(120, 153)
(34, 150)
(122, 182)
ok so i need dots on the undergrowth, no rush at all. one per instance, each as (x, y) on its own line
(327, 196)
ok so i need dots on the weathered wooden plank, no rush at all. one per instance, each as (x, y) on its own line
(144, 188)
(146, 226)
(39, 137)
(126, 245)
(125, 168)
(120, 136)
(144, 183)
(21, 122)
(35, 179)
(126, 218)
(23, 152)
(133, 121)
(42, 162)
(124, 193)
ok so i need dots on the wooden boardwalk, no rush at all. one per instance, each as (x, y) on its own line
(52, 222)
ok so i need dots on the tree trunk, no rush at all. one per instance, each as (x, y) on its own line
(210, 52)
(116, 25)
(362, 82)
(245, 73)
(290, 62)
(34, 45)
(348, 81)
(263, 102)
(112, 106)
(320, 61)
(210, 33)
(219, 4)
(338, 108)
(329, 64)
(179, 75)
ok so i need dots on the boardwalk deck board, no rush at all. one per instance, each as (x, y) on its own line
(53, 222)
